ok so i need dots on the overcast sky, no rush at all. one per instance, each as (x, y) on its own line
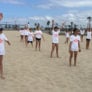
(22, 11)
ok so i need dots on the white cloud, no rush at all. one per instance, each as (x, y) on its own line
(80, 18)
(66, 3)
(12, 2)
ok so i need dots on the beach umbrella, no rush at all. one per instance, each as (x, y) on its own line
(1, 16)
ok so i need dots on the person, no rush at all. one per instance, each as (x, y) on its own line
(82, 31)
(67, 34)
(88, 37)
(21, 34)
(26, 31)
(38, 36)
(30, 37)
(74, 46)
(3, 39)
(55, 40)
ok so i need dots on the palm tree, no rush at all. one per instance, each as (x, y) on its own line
(48, 23)
(89, 21)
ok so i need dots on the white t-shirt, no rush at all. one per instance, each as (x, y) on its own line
(26, 32)
(89, 35)
(3, 38)
(82, 32)
(55, 36)
(21, 32)
(74, 39)
(67, 34)
(38, 34)
(30, 36)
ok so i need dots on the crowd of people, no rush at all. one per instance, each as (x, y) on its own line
(74, 38)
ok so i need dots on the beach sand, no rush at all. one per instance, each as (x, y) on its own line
(27, 70)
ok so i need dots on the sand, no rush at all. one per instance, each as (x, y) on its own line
(27, 70)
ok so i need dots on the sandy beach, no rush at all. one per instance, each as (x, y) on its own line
(27, 70)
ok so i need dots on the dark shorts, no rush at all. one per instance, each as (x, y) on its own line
(29, 41)
(88, 40)
(26, 35)
(38, 39)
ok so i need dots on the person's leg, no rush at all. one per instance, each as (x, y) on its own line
(1, 66)
(26, 38)
(75, 57)
(52, 50)
(57, 50)
(81, 38)
(32, 43)
(21, 37)
(39, 45)
(36, 44)
(86, 44)
(70, 58)
(67, 40)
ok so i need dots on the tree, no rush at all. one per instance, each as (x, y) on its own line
(48, 23)
(89, 21)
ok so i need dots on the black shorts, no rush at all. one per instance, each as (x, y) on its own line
(29, 41)
(88, 40)
(38, 39)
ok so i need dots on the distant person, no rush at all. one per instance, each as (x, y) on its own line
(67, 35)
(38, 36)
(88, 37)
(30, 37)
(74, 46)
(55, 40)
(3, 39)
(26, 31)
(82, 31)
(21, 34)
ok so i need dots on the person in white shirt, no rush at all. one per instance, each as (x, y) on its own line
(26, 31)
(38, 36)
(21, 34)
(82, 31)
(3, 38)
(55, 40)
(74, 46)
(67, 35)
(30, 37)
(88, 37)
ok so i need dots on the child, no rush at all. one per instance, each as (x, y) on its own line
(67, 36)
(55, 40)
(82, 31)
(88, 38)
(26, 31)
(2, 50)
(38, 35)
(21, 34)
(74, 46)
(30, 37)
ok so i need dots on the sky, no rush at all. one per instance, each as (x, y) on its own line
(22, 11)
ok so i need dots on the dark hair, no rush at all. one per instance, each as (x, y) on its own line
(1, 29)
(75, 29)
(56, 27)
